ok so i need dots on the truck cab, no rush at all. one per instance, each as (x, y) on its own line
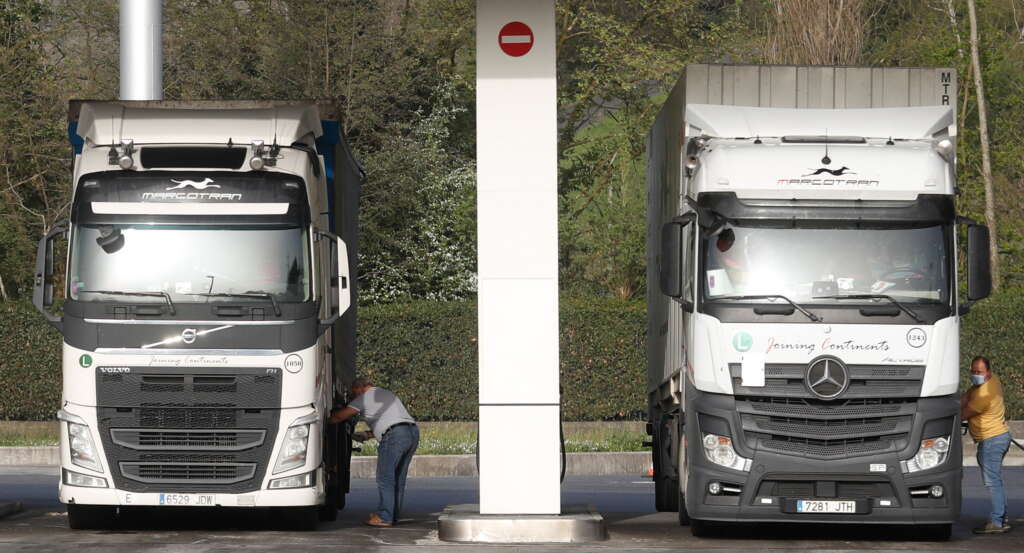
(207, 314)
(804, 316)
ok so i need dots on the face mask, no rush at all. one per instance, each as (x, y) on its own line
(978, 379)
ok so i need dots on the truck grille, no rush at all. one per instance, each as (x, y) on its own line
(829, 448)
(826, 429)
(814, 488)
(189, 429)
(204, 440)
(188, 473)
(866, 381)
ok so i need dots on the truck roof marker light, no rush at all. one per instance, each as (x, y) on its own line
(944, 148)
(122, 155)
(257, 162)
(692, 163)
(263, 155)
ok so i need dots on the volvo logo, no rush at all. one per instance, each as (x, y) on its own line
(827, 377)
(188, 335)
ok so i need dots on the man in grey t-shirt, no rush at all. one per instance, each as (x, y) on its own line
(399, 437)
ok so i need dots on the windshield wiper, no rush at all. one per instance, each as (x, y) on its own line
(253, 295)
(795, 305)
(164, 295)
(902, 307)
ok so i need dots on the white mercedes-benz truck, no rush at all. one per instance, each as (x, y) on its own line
(208, 312)
(803, 330)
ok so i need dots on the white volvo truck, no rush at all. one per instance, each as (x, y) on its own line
(208, 312)
(803, 337)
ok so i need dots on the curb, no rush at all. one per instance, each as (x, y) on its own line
(578, 464)
(8, 508)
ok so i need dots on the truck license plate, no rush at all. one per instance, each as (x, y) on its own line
(812, 506)
(188, 499)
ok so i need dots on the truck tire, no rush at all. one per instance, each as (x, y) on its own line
(302, 519)
(684, 515)
(936, 532)
(91, 517)
(702, 528)
(328, 512)
(666, 489)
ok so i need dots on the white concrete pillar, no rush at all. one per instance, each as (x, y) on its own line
(517, 225)
(142, 50)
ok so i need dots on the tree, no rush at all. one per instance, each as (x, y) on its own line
(986, 163)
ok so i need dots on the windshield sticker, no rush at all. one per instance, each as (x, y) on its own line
(742, 342)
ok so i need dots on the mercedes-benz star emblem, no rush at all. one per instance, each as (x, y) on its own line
(827, 377)
(188, 335)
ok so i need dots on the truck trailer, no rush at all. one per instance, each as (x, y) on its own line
(803, 306)
(208, 308)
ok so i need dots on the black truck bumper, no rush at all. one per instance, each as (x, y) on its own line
(876, 484)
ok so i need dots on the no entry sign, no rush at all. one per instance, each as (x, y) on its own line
(515, 39)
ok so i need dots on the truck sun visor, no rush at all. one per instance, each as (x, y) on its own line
(191, 197)
(158, 208)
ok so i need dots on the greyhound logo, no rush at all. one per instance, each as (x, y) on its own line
(201, 185)
(844, 170)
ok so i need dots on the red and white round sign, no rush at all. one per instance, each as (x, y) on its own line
(516, 39)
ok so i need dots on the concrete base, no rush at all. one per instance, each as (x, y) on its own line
(576, 524)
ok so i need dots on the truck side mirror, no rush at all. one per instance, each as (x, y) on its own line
(42, 291)
(979, 270)
(340, 289)
(671, 268)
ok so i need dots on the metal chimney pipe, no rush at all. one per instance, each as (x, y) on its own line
(142, 50)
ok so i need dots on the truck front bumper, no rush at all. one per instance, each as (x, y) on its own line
(760, 501)
(769, 491)
(295, 497)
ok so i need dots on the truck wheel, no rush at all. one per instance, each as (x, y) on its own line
(328, 512)
(91, 517)
(684, 516)
(666, 489)
(702, 528)
(936, 532)
(303, 519)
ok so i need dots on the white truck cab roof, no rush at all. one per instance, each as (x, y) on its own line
(107, 123)
(782, 153)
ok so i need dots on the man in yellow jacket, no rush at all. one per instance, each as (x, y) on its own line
(982, 406)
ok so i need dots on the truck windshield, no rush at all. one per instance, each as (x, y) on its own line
(185, 262)
(910, 265)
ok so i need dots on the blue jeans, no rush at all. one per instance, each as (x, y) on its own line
(394, 455)
(990, 460)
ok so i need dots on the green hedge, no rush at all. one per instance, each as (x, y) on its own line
(30, 375)
(995, 329)
(426, 352)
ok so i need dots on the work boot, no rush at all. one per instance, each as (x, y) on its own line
(375, 520)
(989, 528)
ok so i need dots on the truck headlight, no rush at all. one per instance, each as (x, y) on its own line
(294, 446)
(304, 480)
(931, 453)
(72, 478)
(719, 450)
(83, 450)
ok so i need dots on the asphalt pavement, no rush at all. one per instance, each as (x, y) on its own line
(626, 501)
